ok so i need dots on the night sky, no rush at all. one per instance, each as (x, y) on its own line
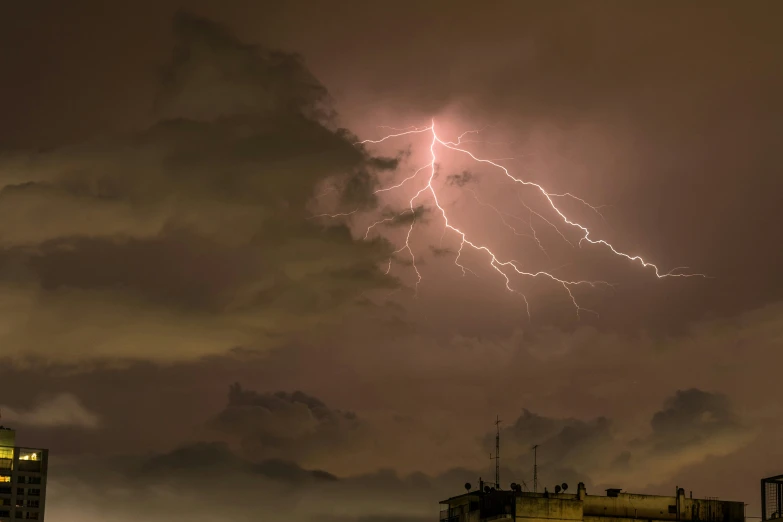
(193, 312)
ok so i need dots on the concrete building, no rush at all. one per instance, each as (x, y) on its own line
(488, 504)
(22, 479)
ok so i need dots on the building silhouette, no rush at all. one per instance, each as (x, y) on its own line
(491, 504)
(772, 498)
(22, 479)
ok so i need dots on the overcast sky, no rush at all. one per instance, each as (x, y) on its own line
(175, 302)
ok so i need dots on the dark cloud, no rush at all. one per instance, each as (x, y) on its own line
(212, 75)
(180, 269)
(202, 216)
(569, 449)
(690, 418)
(216, 458)
(281, 425)
(693, 425)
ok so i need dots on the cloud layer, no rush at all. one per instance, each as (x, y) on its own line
(191, 237)
(571, 450)
(64, 410)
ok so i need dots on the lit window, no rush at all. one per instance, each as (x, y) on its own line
(6, 453)
(5, 479)
(29, 455)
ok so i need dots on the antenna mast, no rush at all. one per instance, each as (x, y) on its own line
(496, 458)
(535, 469)
(497, 453)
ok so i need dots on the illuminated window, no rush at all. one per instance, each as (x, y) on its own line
(5, 479)
(6, 453)
(29, 455)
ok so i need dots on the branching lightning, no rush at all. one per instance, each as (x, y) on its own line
(505, 268)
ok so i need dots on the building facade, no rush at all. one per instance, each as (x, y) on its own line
(488, 504)
(22, 479)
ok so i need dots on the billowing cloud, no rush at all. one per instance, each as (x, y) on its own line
(193, 236)
(63, 410)
(294, 426)
(691, 418)
(692, 426)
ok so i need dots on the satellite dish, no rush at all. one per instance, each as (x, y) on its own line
(468, 486)
(493, 490)
(557, 489)
(565, 486)
(486, 489)
(513, 486)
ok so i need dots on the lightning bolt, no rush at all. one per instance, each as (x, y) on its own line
(341, 214)
(505, 268)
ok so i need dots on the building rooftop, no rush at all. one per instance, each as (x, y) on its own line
(488, 504)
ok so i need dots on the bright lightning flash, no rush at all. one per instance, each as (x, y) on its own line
(506, 268)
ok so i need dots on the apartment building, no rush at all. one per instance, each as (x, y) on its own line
(22, 479)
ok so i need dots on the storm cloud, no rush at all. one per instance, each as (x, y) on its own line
(294, 425)
(127, 241)
(182, 207)
(692, 426)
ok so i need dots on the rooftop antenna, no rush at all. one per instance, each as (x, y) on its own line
(496, 458)
(535, 468)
